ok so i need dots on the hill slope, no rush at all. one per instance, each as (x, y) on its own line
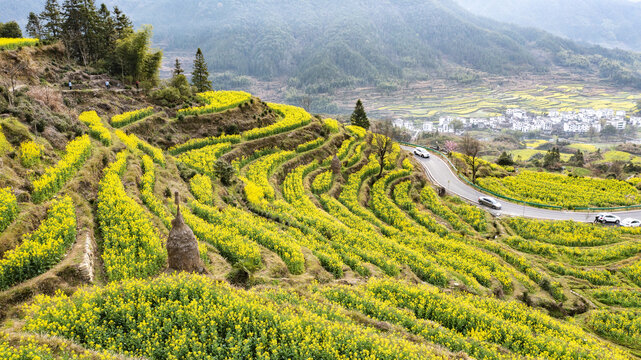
(307, 257)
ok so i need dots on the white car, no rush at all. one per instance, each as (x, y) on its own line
(490, 202)
(606, 218)
(630, 222)
(422, 153)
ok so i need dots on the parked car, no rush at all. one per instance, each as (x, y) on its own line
(630, 222)
(606, 218)
(490, 202)
(422, 153)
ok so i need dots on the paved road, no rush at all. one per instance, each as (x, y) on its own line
(440, 173)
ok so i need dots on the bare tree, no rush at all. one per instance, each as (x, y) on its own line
(382, 142)
(11, 71)
(306, 102)
(471, 147)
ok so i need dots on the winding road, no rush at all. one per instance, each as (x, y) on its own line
(440, 173)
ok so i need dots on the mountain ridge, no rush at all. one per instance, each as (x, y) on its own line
(318, 47)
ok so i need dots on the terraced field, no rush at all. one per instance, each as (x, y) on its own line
(305, 259)
(486, 102)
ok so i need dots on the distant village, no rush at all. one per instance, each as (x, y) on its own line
(584, 121)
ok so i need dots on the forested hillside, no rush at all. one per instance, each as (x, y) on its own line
(321, 46)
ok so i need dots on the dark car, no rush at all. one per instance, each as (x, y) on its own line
(490, 202)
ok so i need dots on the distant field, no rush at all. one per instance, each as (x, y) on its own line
(485, 102)
(526, 154)
(615, 155)
(533, 144)
(584, 147)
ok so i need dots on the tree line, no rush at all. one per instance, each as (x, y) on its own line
(99, 37)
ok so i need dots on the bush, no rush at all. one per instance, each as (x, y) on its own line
(180, 83)
(224, 171)
(168, 97)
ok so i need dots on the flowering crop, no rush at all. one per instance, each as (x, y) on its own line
(134, 144)
(257, 185)
(23, 347)
(634, 272)
(55, 177)
(380, 309)
(403, 199)
(344, 149)
(231, 244)
(567, 233)
(322, 182)
(594, 276)
(469, 214)
(392, 157)
(430, 199)
(473, 264)
(131, 246)
(194, 144)
(127, 118)
(513, 325)
(622, 326)
(350, 244)
(618, 297)
(407, 164)
(562, 190)
(331, 124)
(147, 192)
(356, 156)
(312, 144)
(42, 249)
(194, 317)
(422, 264)
(258, 175)
(201, 187)
(204, 159)
(518, 261)
(578, 255)
(252, 227)
(5, 146)
(96, 128)
(357, 130)
(30, 153)
(217, 101)
(8, 208)
(293, 117)
(14, 43)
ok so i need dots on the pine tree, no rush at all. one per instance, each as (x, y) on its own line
(33, 26)
(200, 75)
(72, 29)
(122, 24)
(505, 159)
(106, 32)
(178, 70)
(51, 20)
(91, 41)
(359, 117)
